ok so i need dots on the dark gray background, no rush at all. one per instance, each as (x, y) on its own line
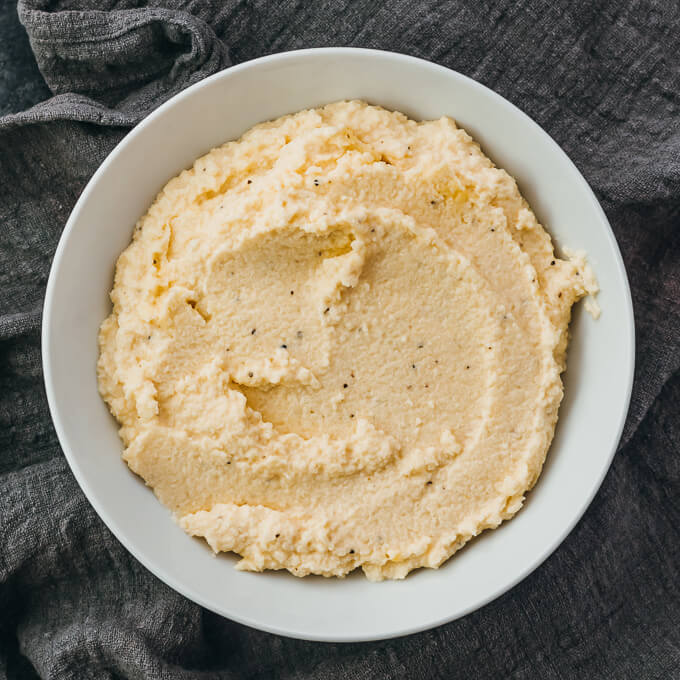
(603, 78)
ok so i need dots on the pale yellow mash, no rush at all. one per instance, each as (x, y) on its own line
(337, 343)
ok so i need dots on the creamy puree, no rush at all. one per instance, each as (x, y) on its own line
(337, 343)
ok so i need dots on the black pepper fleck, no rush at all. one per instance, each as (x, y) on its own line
(433, 202)
(250, 374)
(559, 295)
(292, 292)
(284, 346)
(351, 552)
(155, 261)
(277, 535)
(345, 385)
(316, 182)
(492, 229)
(351, 415)
(467, 368)
(428, 484)
(250, 181)
(325, 311)
(413, 365)
(253, 331)
(420, 346)
(552, 264)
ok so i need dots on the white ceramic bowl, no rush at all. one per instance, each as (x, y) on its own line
(220, 108)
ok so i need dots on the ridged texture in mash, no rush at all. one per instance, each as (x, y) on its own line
(337, 343)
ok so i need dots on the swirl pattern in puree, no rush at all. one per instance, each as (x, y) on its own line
(337, 343)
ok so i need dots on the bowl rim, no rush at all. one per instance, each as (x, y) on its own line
(47, 359)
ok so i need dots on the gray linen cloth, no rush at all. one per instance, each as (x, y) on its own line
(603, 78)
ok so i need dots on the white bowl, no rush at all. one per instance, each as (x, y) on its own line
(598, 380)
